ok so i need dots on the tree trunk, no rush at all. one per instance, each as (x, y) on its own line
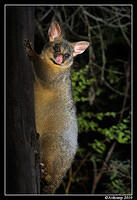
(22, 143)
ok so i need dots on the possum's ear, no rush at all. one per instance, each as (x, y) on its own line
(54, 32)
(79, 47)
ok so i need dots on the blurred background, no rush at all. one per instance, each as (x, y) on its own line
(101, 80)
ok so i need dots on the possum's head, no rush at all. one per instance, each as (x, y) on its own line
(60, 52)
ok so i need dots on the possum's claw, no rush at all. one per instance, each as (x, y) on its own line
(27, 46)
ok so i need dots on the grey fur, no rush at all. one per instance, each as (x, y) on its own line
(59, 141)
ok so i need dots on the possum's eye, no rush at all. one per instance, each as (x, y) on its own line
(56, 48)
(66, 55)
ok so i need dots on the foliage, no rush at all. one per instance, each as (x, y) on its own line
(80, 84)
(94, 123)
(89, 121)
(119, 176)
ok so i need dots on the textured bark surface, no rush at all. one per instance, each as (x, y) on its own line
(22, 143)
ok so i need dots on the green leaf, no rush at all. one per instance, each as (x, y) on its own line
(113, 176)
(93, 125)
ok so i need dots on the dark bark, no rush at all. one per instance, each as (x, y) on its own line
(22, 146)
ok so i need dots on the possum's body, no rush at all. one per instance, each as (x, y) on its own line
(55, 111)
(57, 124)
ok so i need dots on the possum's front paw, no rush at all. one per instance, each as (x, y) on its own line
(28, 46)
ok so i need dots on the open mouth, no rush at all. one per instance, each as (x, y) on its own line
(54, 61)
(58, 60)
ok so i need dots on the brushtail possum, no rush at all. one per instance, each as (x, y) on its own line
(55, 111)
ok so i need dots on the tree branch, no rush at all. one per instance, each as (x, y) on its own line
(73, 175)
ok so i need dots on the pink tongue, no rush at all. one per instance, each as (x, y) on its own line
(59, 59)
